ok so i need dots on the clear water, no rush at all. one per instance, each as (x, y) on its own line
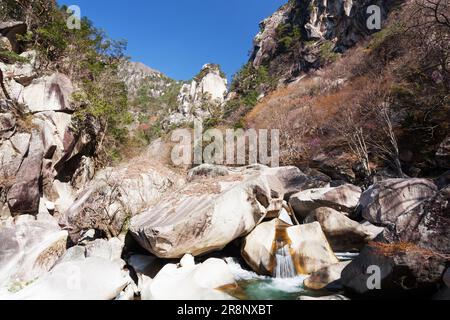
(252, 286)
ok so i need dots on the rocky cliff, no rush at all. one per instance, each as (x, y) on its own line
(202, 98)
(292, 41)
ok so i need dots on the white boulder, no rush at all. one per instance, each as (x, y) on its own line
(191, 282)
(29, 247)
(205, 215)
(87, 279)
(344, 198)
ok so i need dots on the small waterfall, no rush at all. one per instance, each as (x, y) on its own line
(284, 264)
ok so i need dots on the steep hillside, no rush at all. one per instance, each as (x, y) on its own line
(368, 104)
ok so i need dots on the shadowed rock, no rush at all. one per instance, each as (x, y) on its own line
(386, 200)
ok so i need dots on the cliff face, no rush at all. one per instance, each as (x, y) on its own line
(202, 97)
(293, 40)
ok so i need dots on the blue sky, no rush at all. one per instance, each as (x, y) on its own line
(177, 37)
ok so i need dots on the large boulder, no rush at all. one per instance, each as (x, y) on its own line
(386, 200)
(29, 248)
(287, 181)
(411, 254)
(283, 181)
(49, 93)
(343, 233)
(190, 281)
(87, 279)
(343, 198)
(427, 225)
(326, 277)
(308, 247)
(401, 269)
(24, 195)
(115, 195)
(205, 215)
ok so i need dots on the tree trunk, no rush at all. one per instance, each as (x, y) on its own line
(5, 92)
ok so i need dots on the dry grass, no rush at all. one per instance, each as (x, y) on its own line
(393, 249)
(6, 181)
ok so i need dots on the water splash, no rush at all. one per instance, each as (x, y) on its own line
(284, 264)
(240, 273)
(252, 286)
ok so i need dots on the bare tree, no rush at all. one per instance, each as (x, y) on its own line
(293, 133)
(2, 84)
(350, 125)
(434, 11)
(387, 147)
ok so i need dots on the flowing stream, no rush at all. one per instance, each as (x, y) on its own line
(252, 286)
(284, 264)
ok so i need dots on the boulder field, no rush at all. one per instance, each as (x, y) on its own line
(210, 210)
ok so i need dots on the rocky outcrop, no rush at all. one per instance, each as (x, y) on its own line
(307, 245)
(189, 281)
(343, 233)
(343, 198)
(386, 200)
(402, 271)
(202, 98)
(289, 42)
